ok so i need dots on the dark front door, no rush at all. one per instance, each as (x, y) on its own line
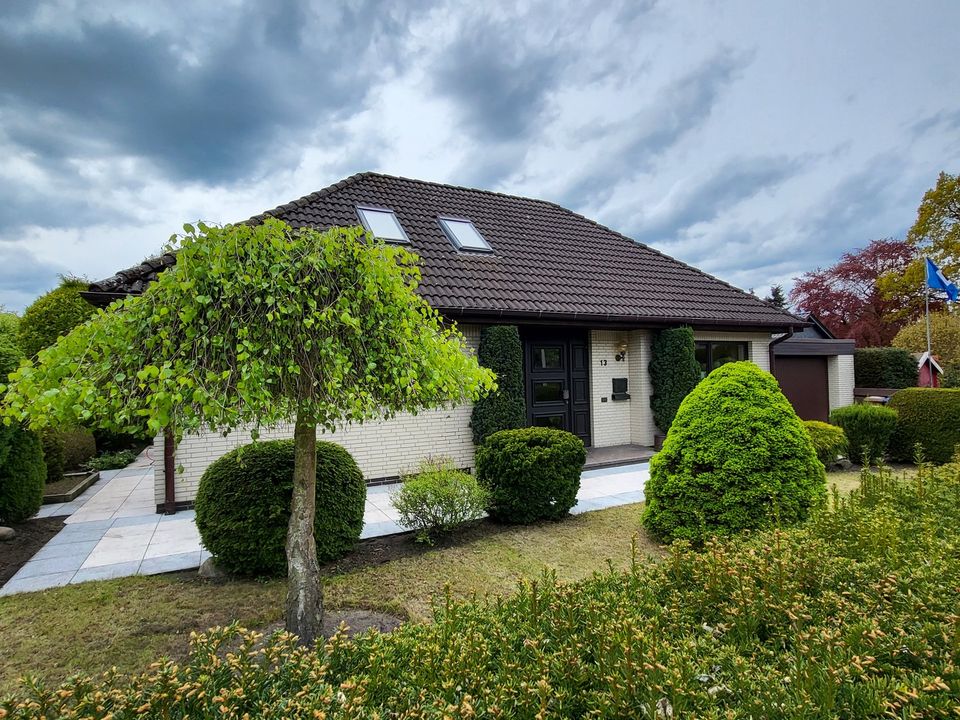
(558, 382)
(803, 380)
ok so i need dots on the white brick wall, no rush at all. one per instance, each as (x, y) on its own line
(642, 428)
(840, 380)
(384, 448)
(612, 419)
(758, 348)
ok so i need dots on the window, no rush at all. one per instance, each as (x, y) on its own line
(382, 223)
(547, 358)
(463, 235)
(712, 355)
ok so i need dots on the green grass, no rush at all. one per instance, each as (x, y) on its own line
(130, 622)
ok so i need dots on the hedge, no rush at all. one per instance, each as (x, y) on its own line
(52, 443)
(852, 616)
(52, 315)
(243, 506)
(674, 372)
(531, 474)
(737, 457)
(884, 368)
(928, 417)
(22, 474)
(505, 408)
(829, 441)
(868, 429)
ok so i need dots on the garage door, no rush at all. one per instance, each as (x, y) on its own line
(804, 382)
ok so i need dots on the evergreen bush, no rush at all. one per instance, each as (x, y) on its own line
(438, 498)
(22, 474)
(736, 458)
(829, 441)
(868, 429)
(51, 441)
(531, 473)
(243, 506)
(674, 372)
(884, 368)
(79, 447)
(52, 315)
(928, 417)
(504, 409)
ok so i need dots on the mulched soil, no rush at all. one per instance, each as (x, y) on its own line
(31, 536)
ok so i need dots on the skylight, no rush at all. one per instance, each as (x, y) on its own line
(464, 235)
(383, 224)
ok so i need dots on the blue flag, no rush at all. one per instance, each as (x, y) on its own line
(936, 280)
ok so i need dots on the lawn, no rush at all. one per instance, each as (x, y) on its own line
(130, 622)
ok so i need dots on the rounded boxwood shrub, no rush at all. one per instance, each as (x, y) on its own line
(868, 429)
(928, 417)
(737, 457)
(505, 408)
(829, 441)
(243, 506)
(531, 473)
(52, 315)
(884, 368)
(22, 474)
(674, 372)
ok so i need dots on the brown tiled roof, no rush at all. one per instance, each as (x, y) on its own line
(547, 262)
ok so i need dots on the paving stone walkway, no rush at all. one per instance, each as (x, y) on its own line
(113, 529)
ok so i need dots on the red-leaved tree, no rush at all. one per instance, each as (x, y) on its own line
(847, 299)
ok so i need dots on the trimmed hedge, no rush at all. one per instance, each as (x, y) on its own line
(868, 429)
(243, 506)
(22, 474)
(504, 409)
(674, 372)
(79, 447)
(829, 441)
(736, 458)
(928, 417)
(531, 473)
(52, 442)
(884, 368)
(52, 315)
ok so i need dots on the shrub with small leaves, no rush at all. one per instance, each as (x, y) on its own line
(884, 368)
(868, 429)
(52, 442)
(674, 372)
(503, 409)
(54, 314)
(438, 498)
(531, 473)
(928, 418)
(829, 441)
(22, 473)
(79, 447)
(111, 460)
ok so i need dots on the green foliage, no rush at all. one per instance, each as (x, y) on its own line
(233, 335)
(829, 441)
(438, 498)
(10, 352)
(852, 616)
(52, 315)
(110, 460)
(868, 429)
(736, 458)
(243, 506)
(531, 473)
(884, 368)
(52, 443)
(79, 447)
(674, 372)
(944, 337)
(951, 376)
(22, 474)
(928, 417)
(504, 408)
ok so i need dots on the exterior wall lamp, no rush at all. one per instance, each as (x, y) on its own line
(622, 354)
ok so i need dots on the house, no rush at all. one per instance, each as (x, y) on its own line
(929, 371)
(585, 298)
(814, 369)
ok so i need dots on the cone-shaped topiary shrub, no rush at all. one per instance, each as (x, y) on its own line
(504, 409)
(22, 474)
(531, 473)
(737, 457)
(674, 372)
(243, 506)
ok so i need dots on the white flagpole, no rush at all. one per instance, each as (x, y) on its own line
(926, 285)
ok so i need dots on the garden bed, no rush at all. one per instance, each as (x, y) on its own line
(31, 536)
(69, 487)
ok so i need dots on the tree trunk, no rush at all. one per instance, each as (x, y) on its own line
(304, 615)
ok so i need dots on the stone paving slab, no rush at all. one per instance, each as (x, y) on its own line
(113, 529)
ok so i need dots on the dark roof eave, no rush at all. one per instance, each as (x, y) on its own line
(101, 298)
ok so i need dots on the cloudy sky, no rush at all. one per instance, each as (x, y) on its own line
(755, 140)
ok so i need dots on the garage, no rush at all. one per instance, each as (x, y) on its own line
(805, 382)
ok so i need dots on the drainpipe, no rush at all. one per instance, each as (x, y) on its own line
(169, 473)
(785, 336)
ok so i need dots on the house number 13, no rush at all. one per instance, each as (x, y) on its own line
(603, 363)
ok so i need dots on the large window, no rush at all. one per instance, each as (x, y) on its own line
(383, 224)
(712, 355)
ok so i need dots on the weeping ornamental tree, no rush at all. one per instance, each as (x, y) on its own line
(256, 326)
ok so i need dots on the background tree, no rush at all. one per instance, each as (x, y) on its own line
(257, 326)
(54, 314)
(935, 234)
(777, 298)
(944, 337)
(847, 296)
